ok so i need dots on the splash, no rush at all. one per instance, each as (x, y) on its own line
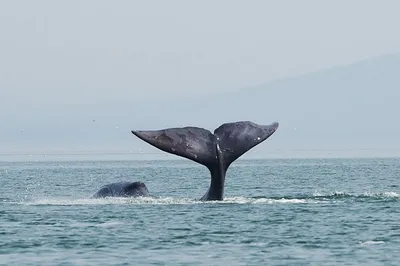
(160, 201)
(316, 197)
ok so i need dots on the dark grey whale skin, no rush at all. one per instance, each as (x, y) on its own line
(215, 151)
(122, 189)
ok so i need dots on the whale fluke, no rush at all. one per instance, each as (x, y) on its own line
(235, 139)
(215, 151)
(196, 144)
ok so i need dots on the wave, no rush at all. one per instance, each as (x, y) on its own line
(371, 242)
(365, 195)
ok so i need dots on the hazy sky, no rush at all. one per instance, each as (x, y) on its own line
(59, 57)
(94, 50)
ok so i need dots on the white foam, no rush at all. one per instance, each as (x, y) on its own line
(109, 224)
(161, 201)
(185, 201)
(371, 242)
(391, 194)
(388, 194)
(243, 200)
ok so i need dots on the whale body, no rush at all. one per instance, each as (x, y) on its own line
(122, 189)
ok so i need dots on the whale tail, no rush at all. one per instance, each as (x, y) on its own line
(200, 145)
(215, 151)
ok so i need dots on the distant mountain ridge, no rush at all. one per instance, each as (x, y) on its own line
(346, 107)
(353, 106)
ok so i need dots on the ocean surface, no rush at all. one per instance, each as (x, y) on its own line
(275, 212)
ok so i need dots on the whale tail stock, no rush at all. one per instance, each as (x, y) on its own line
(215, 151)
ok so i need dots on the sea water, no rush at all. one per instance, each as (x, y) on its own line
(275, 212)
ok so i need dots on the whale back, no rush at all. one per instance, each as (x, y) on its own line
(122, 189)
(103, 192)
(135, 189)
